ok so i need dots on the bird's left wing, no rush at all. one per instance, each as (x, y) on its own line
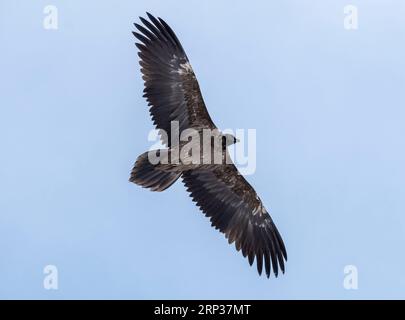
(171, 87)
(235, 209)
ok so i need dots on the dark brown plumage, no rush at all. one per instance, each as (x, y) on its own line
(173, 94)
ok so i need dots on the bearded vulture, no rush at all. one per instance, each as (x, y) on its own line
(219, 190)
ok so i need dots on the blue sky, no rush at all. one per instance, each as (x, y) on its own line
(328, 107)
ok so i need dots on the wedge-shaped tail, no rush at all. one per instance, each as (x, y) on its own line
(150, 176)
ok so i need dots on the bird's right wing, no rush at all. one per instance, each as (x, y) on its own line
(171, 87)
(235, 209)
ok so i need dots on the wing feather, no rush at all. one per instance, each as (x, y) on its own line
(171, 87)
(234, 208)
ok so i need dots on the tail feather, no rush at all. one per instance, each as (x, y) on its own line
(150, 176)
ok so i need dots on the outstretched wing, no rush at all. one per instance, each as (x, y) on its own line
(235, 209)
(171, 88)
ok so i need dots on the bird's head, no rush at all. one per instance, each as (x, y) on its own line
(228, 139)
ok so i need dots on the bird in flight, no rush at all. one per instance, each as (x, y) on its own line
(217, 187)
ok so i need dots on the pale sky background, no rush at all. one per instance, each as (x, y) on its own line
(329, 109)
